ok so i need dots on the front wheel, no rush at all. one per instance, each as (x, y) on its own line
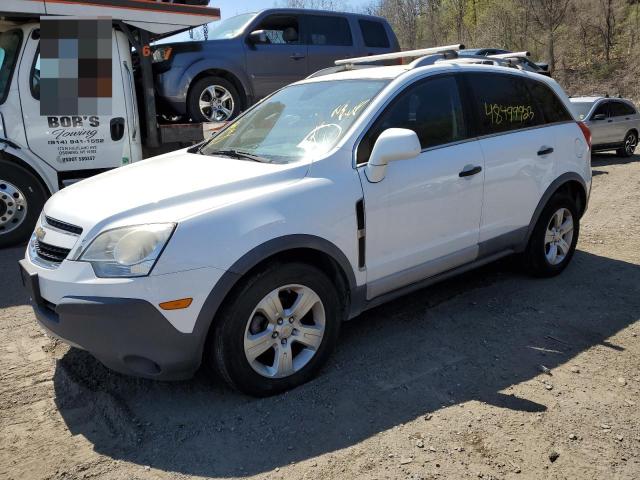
(629, 145)
(213, 99)
(554, 238)
(277, 329)
(21, 200)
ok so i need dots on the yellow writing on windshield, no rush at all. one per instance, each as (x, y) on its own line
(343, 111)
(499, 114)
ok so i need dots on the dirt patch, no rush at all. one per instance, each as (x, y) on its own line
(490, 375)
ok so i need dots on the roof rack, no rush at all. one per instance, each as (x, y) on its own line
(347, 62)
(508, 56)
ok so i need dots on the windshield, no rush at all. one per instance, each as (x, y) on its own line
(299, 121)
(581, 109)
(230, 27)
(9, 48)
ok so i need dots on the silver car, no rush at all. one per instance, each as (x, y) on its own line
(614, 123)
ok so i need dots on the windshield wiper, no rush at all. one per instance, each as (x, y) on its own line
(240, 155)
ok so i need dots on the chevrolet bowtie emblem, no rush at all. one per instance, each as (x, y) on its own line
(40, 233)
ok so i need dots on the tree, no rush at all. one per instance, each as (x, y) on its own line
(549, 15)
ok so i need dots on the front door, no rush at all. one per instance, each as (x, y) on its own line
(282, 59)
(68, 140)
(423, 218)
(602, 131)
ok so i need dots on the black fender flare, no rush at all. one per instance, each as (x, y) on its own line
(252, 258)
(549, 192)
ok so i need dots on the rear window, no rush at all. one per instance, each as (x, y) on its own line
(503, 103)
(551, 106)
(329, 31)
(374, 34)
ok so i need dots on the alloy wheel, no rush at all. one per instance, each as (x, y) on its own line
(630, 144)
(216, 103)
(284, 331)
(13, 207)
(558, 236)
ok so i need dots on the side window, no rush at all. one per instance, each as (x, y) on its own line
(602, 109)
(503, 103)
(431, 108)
(281, 29)
(34, 77)
(10, 42)
(548, 102)
(374, 34)
(620, 109)
(329, 31)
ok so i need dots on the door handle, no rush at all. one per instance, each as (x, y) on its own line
(117, 128)
(470, 170)
(297, 56)
(545, 151)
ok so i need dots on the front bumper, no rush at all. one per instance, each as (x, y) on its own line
(128, 335)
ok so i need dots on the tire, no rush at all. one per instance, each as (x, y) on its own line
(538, 257)
(22, 197)
(244, 317)
(223, 89)
(630, 144)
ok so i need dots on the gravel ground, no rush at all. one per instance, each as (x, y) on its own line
(449, 382)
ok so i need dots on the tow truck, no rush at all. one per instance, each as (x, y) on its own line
(40, 154)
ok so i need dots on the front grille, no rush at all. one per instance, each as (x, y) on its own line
(66, 227)
(51, 253)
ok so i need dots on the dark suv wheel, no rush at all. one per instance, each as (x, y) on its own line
(629, 145)
(277, 329)
(213, 99)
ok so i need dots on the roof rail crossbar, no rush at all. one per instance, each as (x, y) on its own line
(396, 55)
(507, 56)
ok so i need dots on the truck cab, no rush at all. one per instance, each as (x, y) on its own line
(39, 154)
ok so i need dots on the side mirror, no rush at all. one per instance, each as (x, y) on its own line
(600, 116)
(392, 145)
(257, 36)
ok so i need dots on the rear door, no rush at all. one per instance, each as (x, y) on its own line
(67, 141)
(520, 154)
(622, 115)
(280, 61)
(329, 38)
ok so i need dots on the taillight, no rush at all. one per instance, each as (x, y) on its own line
(586, 132)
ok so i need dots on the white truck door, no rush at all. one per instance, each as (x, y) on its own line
(74, 145)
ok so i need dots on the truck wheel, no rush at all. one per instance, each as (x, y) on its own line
(21, 200)
(277, 330)
(554, 238)
(213, 99)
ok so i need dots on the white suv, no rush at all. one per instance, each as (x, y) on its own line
(331, 196)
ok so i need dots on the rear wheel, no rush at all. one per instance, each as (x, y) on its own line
(554, 238)
(21, 200)
(629, 145)
(277, 330)
(213, 99)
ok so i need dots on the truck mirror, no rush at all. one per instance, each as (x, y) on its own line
(257, 37)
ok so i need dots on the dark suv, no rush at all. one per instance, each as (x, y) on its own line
(249, 56)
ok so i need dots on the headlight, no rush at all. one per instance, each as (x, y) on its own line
(127, 251)
(161, 54)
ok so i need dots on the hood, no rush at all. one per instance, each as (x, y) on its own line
(167, 188)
